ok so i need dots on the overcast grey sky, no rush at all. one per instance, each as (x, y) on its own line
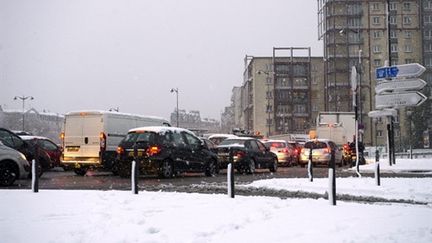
(88, 54)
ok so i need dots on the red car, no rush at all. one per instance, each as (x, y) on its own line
(47, 147)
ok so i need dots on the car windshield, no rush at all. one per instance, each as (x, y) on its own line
(315, 145)
(233, 142)
(275, 145)
(133, 137)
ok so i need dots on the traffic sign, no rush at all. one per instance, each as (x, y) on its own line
(381, 113)
(400, 71)
(400, 85)
(399, 99)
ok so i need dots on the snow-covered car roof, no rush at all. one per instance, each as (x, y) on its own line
(160, 129)
(222, 135)
(30, 137)
(274, 141)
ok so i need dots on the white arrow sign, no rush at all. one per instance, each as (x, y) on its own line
(400, 85)
(381, 113)
(399, 99)
(400, 71)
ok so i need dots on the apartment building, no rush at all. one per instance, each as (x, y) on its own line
(281, 94)
(356, 33)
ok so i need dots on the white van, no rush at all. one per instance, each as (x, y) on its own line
(90, 138)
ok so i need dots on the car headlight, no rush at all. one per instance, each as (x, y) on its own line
(23, 156)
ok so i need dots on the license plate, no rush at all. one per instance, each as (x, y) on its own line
(72, 149)
(140, 153)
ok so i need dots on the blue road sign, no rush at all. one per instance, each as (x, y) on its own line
(386, 72)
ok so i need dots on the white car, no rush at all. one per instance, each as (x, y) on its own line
(13, 165)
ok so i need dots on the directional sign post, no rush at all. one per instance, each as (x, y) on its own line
(399, 100)
(400, 85)
(400, 71)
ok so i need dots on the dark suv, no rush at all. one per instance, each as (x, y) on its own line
(164, 151)
(247, 155)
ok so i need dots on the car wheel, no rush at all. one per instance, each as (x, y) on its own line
(80, 171)
(250, 167)
(166, 169)
(211, 169)
(8, 174)
(274, 166)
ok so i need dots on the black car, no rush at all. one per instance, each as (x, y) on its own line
(247, 154)
(12, 140)
(164, 151)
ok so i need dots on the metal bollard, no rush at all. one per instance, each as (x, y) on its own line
(332, 179)
(310, 166)
(377, 168)
(135, 171)
(230, 180)
(35, 174)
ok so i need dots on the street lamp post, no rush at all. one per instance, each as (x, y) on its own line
(176, 90)
(23, 98)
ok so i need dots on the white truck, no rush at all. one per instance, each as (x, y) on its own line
(90, 138)
(336, 126)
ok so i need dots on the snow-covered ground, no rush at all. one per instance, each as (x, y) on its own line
(120, 216)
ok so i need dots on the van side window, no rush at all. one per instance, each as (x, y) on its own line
(192, 141)
(178, 139)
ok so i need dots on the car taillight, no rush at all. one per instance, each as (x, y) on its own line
(153, 150)
(120, 150)
(326, 150)
(102, 139)
(238, 155)
(302, 150)
(285, 150)
(62, 138)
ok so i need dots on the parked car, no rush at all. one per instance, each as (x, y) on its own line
(247, 155)
(210, 145)
(13, 165)
(321, 152)
(218, 138)
(12, 140)
(284, 151)
(51, 151)
(297, 150)
(165, 151)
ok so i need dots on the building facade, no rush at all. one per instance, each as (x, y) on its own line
(360, 34)
(281, 94)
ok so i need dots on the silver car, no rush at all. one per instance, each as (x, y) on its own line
(321, 152)
(13, 165)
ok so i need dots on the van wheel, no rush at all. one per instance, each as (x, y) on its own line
(80, 171)
(166, 170)
(8, 174)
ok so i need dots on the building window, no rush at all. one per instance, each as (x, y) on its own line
(269, 94)
(377, 62)
(409, 60)
(394, 62)
(394, 48)
(375, 6)
(354, 22)
(376, 20)
(428, 61)
(393, 6)
(408, 48)
(269, 80)
(393, 20)
(269, 108)
(428, 47)
(428, 34)
(393, 34)
(407, 20)
(427, 4)
(377, 34)
(379, 133)
(407, 6)
(407, 34)
(376, 49)
(427, 19)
